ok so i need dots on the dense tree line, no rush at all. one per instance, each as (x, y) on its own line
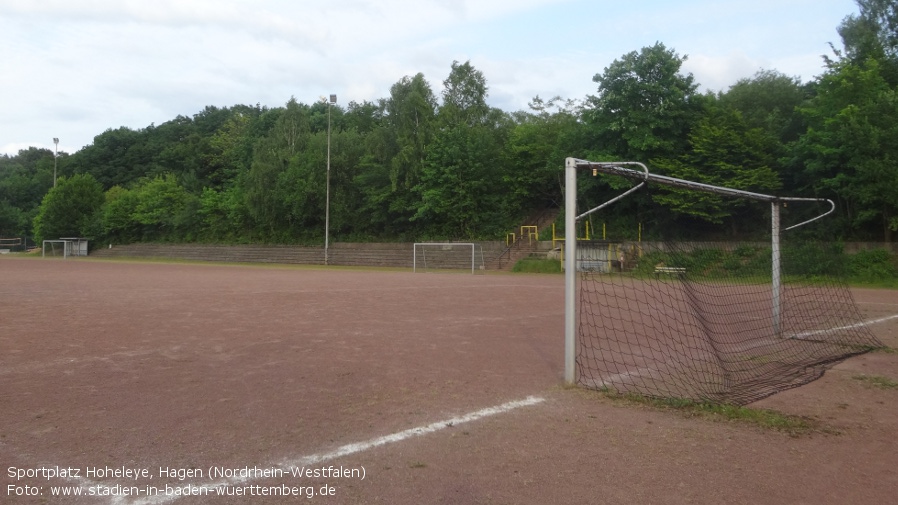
(415, 165)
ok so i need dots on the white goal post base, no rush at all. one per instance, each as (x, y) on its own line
(447, 256)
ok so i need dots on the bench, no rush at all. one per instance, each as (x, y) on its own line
(678, 271)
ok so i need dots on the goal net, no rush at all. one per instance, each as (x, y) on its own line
(717, 322)
(57, 249)
(64, 247)
(447, 256)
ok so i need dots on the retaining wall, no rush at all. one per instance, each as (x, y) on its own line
(398, 255)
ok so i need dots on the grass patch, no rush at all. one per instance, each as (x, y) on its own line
(877, 381)
(766, 419)
(537, 266)
(883, 283)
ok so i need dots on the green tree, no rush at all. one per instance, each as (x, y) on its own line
(459, 198)
(303, 186)
(769, 100)
(872, 34)
(163, 208)
(362, 117)
(156, 208)
(230, 151)
(411, 126)
(118, 156)
(11, 220)
(272, 155)
(71, 209)
(851, 147)
(222, 215)
(724, 151)
(460, 195)
(24, 180)
(645, 107)
(536, 149)
(464, 96)
(118, 224)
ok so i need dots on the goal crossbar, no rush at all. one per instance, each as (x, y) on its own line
(572, 165)
(619, 168)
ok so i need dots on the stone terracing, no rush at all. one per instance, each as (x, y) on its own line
(399, 255)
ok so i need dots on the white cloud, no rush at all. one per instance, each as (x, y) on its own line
(718, 73)
(74, 69)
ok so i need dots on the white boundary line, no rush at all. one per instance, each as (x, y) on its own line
(313, 459)
(413, 432)
(620, 377)
(861, 324)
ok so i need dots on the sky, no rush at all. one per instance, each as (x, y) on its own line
(72, 69)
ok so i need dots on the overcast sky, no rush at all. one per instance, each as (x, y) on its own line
(74, 68)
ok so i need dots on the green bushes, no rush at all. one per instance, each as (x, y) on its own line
(814, 259)
(154, 209)
(70, 209)
(537, 266)
(876, 266)
(806, 261)
(715, 263)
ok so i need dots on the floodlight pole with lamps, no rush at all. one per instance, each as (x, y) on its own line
(327, 208)
(55, 156)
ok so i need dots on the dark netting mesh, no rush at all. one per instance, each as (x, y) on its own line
(697, 320)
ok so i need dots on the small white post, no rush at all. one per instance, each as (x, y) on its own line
(472, 259)
(777, 269)
(570, 271)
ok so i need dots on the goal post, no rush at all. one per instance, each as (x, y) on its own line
(662, 329)
(64, 247)
(56, 249)
(445, 256)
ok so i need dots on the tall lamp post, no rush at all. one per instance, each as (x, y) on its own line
(327, 208)
(55, 156)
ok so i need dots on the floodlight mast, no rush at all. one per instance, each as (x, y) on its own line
(619, 168)
(55, 158)
(327, 208)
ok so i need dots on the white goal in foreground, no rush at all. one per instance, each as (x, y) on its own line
(430, 256)
(701, 321)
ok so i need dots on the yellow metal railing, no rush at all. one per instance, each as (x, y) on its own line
(614, 250)
(556, 238)
(531, 232)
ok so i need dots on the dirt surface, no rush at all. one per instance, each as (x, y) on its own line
(173, 370)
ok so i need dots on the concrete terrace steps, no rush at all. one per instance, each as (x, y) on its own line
(209, 252)
(399, 255)
(523, 246)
